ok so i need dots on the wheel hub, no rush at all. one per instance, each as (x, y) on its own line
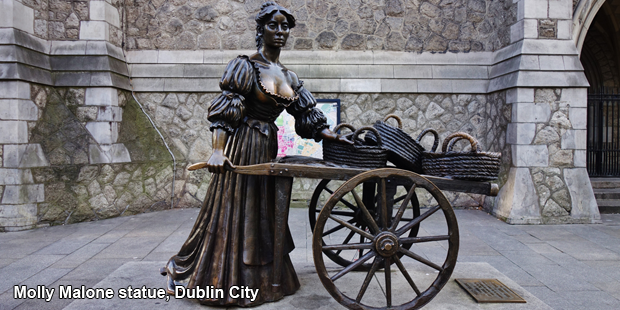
(386, 244)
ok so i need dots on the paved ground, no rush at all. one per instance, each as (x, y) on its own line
(564, 266)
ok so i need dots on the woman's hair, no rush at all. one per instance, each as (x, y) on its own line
(266, 10)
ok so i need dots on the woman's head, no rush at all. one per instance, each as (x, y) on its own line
(267, 11)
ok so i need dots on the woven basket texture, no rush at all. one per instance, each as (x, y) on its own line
(474, 165)
(355, 155)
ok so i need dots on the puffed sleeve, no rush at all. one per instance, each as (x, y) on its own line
(309, 120)
(227, 110)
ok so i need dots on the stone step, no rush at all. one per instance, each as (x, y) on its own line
(608, 210)
(605, 182)
(607, 193)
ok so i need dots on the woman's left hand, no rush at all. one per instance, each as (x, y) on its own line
(329, 135)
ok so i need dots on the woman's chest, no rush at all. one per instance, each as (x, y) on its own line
(276, 81)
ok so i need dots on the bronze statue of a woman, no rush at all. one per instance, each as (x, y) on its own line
(231, 243)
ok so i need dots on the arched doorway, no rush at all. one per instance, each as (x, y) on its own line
(600, 56)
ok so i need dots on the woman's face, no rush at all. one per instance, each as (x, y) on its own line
(276, 31)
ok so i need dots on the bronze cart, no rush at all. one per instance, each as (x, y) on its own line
(376, 218)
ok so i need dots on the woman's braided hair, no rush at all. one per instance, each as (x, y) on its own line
(266, 10)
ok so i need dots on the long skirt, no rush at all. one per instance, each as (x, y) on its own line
(231, 243)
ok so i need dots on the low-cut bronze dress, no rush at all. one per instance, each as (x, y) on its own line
(231, 242)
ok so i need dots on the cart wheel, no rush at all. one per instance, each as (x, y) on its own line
(419, 274)
(347, 211)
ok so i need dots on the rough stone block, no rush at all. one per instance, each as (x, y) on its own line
(27, 211)
(178, 57)
(15, 90)
(399, 85)
(108, 153)
(18, 109)
(23, 194)
(142, 56)
(578, 117)
(530, 156)
(564, 29)
(15, 176)
(110, 114)
(94, 30)
(102, 96)
(551, 63)
(520, 133)
(24, 156)
(582, 197)
(103, 132)
(517, 201)
(13, 132)
(360, 85)
(516, 95)
(575, 139)
(560, 9)
(413, 72)
(575, 97)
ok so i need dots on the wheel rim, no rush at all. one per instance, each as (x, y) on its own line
(386, 244)
(350, 213)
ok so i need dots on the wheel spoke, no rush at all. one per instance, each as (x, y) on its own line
(384, 217)
(351, 227)
(357, 263)
(369, 220)
(343, 213)
(423, 239)
(420, 259)
(361, 251)
(417, 220)
(406, 274)
(346, 240)
(337, 228)
(351, 246)
(373, 269)
(388, 282)
(402, 208)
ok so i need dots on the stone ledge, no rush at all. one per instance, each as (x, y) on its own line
(23, 194)
(21, 38)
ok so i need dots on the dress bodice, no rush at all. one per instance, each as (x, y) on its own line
(262, 103)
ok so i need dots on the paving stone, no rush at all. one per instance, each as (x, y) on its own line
(24, 268)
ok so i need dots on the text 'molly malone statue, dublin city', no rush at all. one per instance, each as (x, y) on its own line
(231, 243)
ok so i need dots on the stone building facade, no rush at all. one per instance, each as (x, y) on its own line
(103, 102)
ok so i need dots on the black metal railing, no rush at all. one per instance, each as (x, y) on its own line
(603, 148)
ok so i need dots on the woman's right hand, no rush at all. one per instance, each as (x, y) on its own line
(217, 162)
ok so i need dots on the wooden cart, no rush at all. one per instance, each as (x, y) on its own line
(376, 218)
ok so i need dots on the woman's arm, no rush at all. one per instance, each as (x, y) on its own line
(217, 160)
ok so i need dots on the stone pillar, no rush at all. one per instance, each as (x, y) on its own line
(19, 194)
(548, 181)
(103, 102)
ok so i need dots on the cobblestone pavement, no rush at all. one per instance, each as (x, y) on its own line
(565, 266)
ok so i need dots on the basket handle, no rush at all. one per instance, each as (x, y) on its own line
(398, 120)
(346, 125)
(435, 134)
(448, 143)
(359, 130)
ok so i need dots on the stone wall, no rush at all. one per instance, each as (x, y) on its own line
(414, 26)
(182, 118)
(62, 181)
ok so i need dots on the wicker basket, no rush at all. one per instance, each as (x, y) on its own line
(355, 155)
(403, 151)
(474, 165)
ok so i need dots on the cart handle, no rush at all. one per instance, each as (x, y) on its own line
(227, 165)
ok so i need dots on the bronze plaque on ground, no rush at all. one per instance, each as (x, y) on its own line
(489, 291)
